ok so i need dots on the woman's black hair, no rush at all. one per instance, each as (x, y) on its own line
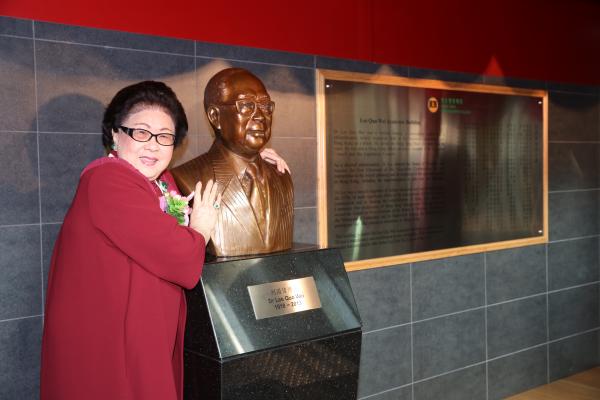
(143, 94)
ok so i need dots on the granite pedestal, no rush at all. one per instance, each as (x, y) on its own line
(311, 354)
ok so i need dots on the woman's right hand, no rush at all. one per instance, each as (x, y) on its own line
(206, 208)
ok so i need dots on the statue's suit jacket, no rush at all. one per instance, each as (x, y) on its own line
(238, 231)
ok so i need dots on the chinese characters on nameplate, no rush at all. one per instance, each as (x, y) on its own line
(284, 297)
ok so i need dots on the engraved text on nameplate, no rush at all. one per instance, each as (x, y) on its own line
(284, 297)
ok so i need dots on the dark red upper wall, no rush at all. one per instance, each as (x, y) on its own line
(545, 40)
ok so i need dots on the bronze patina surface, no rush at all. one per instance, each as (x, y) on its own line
(257, 206)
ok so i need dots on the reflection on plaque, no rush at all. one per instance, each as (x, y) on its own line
(284, 297)
(418, 169)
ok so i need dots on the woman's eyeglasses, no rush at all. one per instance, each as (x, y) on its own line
(142, 135)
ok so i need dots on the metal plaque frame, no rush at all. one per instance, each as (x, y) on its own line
(326, 190)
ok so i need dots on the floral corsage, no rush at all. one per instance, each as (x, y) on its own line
(175, 204)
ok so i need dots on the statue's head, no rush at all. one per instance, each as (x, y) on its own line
(240, 110)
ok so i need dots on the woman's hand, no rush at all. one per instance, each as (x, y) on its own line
(206, 208)
(271, 156)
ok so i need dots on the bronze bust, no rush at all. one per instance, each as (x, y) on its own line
(257, 205)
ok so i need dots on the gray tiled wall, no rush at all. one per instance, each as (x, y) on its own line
(482, 326)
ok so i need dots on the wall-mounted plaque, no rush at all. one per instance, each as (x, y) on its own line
(418, 169)
(284, 297)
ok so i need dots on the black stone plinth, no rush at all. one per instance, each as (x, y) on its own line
(312, 354)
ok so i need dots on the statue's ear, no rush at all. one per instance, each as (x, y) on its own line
(212, 112)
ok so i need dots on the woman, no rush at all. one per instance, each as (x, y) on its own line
(115, 310)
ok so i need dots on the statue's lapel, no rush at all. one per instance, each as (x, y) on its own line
(234, 200)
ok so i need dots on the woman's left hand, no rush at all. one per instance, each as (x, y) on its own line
(206, 206)
(271, 156)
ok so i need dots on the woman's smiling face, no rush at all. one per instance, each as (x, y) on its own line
(150, 158)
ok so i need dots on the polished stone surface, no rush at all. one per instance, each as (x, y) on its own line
(109, 38)
(75, 82)
(19, 364)
(21, 282)
(517, 372)
(516, 325)
(16, 27)
(447, 285)
(514, 273)
(385, 360)
(65, 156)
(20, 187)
(573, 355)
(319, 369)
(448, 343)
(573, 117)
(573, 166)
(468, 383)
(573, 214)
(229, 354)
(573, 262)
(573, 310)
(305, 225)
(383, 296)
(17, 83)
(240, 53)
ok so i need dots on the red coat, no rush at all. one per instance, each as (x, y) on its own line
(115, 311)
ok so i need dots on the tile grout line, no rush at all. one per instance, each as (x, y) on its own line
(479, 363)
(16, 36)
(535, 346)
(383, 391)
(39, 161)
(513, 353)
(574, 335)
(20, 318)
(108, 47)
(18, 225)
(531, 296)
(70, 133)
(547, 319)
(449, 372)
(449, 314)
(412, 346)
(385, 328)
(486, 305)
(573, 142)
(573, 287)
(15, 131)
(573, 190)
(566, 91)
(573, 238)
(313, 66)
(485, 300)
(32, 224)
(310, 68)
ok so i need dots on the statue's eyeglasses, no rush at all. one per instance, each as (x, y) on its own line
(248, 107)
(142, 135)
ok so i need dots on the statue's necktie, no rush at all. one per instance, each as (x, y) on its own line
(253, 189)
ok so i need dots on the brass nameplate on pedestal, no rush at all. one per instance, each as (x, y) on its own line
(284, 297)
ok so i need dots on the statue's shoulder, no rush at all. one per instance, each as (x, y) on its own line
(189, 173)
(284, 179)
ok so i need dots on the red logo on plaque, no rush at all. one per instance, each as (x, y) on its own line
(432, 104)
